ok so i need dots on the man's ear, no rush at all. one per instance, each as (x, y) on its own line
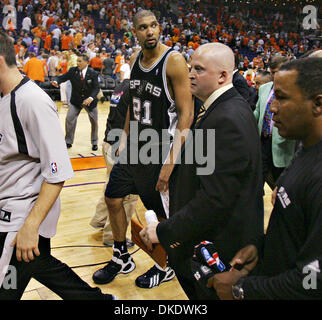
(2, 62)
(223, 77)
(133, 32)
(317, 106)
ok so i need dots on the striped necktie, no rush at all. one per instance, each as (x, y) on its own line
(201, 113)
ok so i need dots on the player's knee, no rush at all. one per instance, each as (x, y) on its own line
(114, 204)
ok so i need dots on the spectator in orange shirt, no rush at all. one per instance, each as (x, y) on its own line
(37, 31)
(195, 45)
(176, 31)
(245, 41)
(256, 62)
(175, 39)
(195, 38)
(66, 41)
(119, 60)
(96, 63)
(190, 44)
(47, 43)
(118, 24)
(169, 43)
(77, 14)
(78, 39)
(50, 21)
(34, 68)
(18, 45)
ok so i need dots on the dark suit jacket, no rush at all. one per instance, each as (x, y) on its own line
(222, 207)
(81, 91)
(242, 87)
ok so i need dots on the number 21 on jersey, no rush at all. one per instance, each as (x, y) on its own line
(137, 111)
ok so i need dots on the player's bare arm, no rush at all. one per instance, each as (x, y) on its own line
(179, 87)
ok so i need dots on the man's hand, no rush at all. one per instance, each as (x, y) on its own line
(55, 84)
(87, 101)
(247, 256)
(120, 148)
(27, 238)
(223, 282)
(149, 234)
(26, 242)
(164, 176)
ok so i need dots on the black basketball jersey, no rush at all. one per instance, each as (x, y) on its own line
(150, 102)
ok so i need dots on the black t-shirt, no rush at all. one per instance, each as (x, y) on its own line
(118, 107)
(293, 243)
(108, 63)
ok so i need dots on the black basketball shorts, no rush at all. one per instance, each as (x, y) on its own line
(137, 179)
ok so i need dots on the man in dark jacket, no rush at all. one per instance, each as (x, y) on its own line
(222, 204)
(288, 258)
(85, 87)
(241, 85)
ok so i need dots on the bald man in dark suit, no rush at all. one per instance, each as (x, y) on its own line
(222, 205)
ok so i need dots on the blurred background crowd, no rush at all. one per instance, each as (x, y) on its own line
(55, 31)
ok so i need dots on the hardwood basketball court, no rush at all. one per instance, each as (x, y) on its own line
(77, 243)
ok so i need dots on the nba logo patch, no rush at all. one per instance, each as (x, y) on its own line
(53, 167)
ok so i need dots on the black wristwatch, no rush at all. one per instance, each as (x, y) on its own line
(237, 290)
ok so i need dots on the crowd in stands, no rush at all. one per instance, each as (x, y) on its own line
(55, 31)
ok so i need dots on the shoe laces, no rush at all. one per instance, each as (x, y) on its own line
(112, 266)
(151, 272)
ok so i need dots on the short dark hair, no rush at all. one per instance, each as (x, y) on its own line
(141, 14)
(85, 57)
(277, 61)
(309, 77)
(7, 49)
(263, 73)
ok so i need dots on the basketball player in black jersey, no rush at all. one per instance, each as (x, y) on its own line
(160, 100)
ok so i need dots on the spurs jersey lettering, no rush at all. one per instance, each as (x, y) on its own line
(151, 104)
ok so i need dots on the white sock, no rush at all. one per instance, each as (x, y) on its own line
(159, 267)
